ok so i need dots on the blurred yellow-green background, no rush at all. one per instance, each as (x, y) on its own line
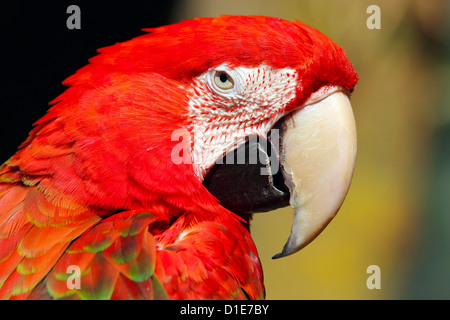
(397, 213)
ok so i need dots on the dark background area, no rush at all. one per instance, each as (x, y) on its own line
(39, 51)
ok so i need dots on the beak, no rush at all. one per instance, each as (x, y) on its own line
(309, 165)
(317, 156)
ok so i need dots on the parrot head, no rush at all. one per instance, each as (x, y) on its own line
(159, 118)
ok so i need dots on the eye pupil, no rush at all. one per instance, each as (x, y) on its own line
(223, 77)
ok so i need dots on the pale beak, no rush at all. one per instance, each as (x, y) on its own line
(317, 155)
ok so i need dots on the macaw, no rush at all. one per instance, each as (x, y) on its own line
(125, 188)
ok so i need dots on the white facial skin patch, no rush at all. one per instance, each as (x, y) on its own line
(228, 105)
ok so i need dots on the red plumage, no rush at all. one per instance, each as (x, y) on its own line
(94, 184)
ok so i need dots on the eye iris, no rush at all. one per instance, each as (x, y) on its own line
(223, 80)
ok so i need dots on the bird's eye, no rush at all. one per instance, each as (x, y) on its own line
(223, 80)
